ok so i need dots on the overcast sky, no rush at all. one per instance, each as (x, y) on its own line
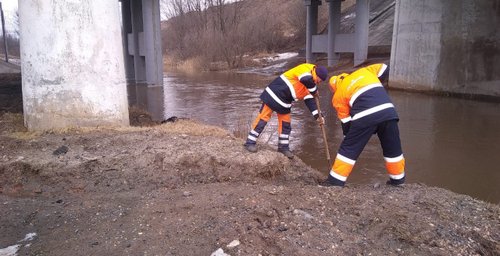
(9, 10)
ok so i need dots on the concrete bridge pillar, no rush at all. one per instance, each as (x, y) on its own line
(72, 64)
(334, 8)
(333, 43)
(361, 31)
(311, 27)
(447, 46)
(142, 40)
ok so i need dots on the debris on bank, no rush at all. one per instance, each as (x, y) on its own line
(13, 249)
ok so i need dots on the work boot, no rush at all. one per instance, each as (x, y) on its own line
(251, 147)
(332, 182)
(396, 183)
(286, 152)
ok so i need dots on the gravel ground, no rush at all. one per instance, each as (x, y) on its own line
(185, 188)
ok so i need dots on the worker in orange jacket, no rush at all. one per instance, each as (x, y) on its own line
(364, 108)
(298, 83)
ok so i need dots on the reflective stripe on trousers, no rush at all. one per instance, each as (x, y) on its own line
(260, 122)
(355, 141)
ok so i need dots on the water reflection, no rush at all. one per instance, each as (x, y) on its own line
(450, 143)
(453, 143)
(149, 98)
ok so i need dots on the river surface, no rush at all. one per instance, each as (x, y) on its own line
(447, 142)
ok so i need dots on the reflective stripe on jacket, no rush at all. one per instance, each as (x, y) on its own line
(295, 84)
(362, 99)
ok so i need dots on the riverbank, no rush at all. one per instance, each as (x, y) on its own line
(185, 188)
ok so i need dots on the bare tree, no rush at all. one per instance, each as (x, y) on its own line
(222, 30)
(12, 36)
(15, 21)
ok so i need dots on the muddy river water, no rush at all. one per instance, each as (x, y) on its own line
(447, 142)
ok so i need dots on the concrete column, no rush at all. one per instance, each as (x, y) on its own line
(361, 33)
(152, 41)
(311, 26)
(128, 49)
(141, 22)
(72, 64)
(137, 41)
(334, 8)
(447, 46)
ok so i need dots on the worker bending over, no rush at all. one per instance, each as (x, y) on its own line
(364, 108)
(298, 83)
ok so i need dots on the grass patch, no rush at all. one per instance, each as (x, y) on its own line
(12, 122)
(12, 125)
(192, 127)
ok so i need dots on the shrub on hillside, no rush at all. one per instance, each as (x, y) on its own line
(228, 31)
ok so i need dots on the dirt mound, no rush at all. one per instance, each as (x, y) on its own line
(184, 188)
(170, 155)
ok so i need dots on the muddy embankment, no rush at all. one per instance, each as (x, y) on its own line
(185, 188)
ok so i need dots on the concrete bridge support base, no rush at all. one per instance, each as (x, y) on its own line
(447, 46)
(72, 64)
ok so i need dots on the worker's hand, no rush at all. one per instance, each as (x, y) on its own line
(320, 120)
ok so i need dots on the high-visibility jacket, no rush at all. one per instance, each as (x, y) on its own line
(360, 99)
(293, 85)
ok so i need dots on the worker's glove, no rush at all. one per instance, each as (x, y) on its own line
(320, 120)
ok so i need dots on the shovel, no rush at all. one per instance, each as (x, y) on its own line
(323, 129)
